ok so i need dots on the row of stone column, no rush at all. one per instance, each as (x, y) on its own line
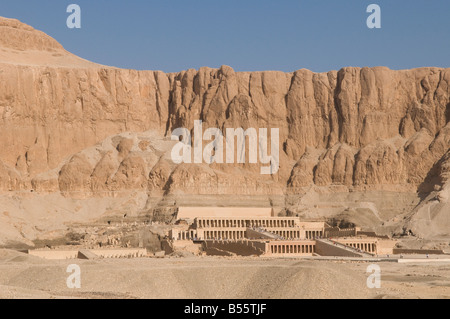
(224, 234)
(367, 247)
(243, 223)
(187, 235)
(291, 234)
(292, 249)
(311, 234)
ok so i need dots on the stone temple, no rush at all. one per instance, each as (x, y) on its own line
(257, 232)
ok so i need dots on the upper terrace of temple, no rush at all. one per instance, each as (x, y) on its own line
(246, 222)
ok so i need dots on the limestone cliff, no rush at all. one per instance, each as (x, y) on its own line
(63, 121)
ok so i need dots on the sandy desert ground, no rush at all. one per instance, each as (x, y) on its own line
(23, 276)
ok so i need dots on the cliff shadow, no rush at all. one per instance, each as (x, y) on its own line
(430, 182)
(447, 113)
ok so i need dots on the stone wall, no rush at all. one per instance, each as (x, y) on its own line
(240, 247)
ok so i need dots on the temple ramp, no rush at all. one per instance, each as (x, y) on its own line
(86, 254)
(256, 233)
(325, 247)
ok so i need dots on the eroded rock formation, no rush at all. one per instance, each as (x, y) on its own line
(63, 119)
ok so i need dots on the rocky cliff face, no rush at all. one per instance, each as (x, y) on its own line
(63, 121)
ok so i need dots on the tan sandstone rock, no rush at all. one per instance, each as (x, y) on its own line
(63, 121)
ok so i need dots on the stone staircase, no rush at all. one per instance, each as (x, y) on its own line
(259, 233)
(351, 251)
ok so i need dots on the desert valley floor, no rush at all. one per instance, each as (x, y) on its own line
(24, 276)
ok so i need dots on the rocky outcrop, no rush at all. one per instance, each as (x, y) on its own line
(380, 136)
(19, 36)
(444, 195)
(64, 124)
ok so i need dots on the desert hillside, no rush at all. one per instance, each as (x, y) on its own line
(81, 141)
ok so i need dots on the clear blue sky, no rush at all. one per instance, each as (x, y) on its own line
(249, 35)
